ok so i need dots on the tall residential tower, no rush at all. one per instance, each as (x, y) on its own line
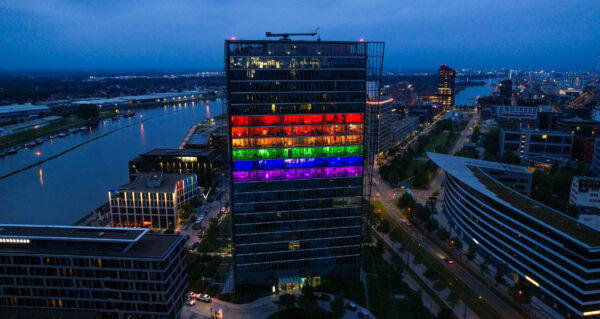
(446, 79)
(297, 149)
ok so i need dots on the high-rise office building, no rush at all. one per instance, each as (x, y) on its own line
(446, 79)
(90, 272)
(297, 148)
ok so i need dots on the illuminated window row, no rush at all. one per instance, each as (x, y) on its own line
(297, 152)
(291, 174)
(14, 241)
(308, 119)
(297, 163)
(241, 143)
(297, 130)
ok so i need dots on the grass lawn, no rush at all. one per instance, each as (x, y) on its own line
(350, 289)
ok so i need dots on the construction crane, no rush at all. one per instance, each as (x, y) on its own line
(286, 36)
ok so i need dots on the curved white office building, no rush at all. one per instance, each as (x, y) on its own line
(556, 254)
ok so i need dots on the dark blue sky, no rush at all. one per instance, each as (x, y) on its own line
(419, 35)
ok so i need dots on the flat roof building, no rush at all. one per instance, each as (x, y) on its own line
(91, 271)
(152, 200)
(585, 191)
(553, 254)
(529, 142)
(205, 163)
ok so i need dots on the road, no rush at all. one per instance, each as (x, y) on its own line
(457, 269)
(258, 309)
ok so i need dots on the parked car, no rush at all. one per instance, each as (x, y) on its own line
(194, 245)
(323, 297)
(351, 306)
(190, 302)
(448, 260)
(186, 237)
(203, 298)
(363, 314)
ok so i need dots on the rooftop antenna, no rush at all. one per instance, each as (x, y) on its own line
(286, 36)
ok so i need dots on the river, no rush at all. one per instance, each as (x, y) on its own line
(467, 96)
(64, 189)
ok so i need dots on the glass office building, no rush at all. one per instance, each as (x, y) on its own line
(297, 125)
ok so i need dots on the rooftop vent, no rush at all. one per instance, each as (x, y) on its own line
(154, 180)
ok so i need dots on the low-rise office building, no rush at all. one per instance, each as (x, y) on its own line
(404, 128)
(152, 200)
(92, 272)
(202, 162)
(585, 191)
(529, 142)
(379, 133)
(555, 255)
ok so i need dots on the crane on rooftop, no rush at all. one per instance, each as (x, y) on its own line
(286, 36)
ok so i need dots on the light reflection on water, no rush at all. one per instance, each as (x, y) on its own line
(79, 179)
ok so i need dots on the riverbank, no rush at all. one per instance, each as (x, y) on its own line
(17, 140)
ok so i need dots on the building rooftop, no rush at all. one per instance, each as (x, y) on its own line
(77, 233)
(180, 152)
(4, 109)
(533, 130)
(470, 172)
(145, 182)
(85, 241)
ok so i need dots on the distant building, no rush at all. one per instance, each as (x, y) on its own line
(527, 142)
(596, 158)
(404, 128)
(90, 272)
(152, 200)
(505, 89)
(202, 162)
(578, 126)
(379, 133)
(426, 112)
(583, 149)
(525, 114)
(28, 125)
(446, 81)
(585, 191)
(22, 110)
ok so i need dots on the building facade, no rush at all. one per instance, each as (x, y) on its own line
(529, 143)
(297, 141)
(596, 158)
(379, 129)
(205, 163)
(585, 191)
(554, 255)
(446, 81)
(92, 272)
(152, 200)
(404, 128)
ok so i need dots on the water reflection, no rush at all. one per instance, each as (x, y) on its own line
(41, 177)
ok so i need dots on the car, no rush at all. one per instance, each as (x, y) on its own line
(191, 294)
(194, 245)
(351, 306)
(190, 302)
(363, 314)
(186, 237)
(323, 297)
(203, 298)
(222, 209)
(448, 260)
(409, 224)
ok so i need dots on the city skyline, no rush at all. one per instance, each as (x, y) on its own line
(73, 36)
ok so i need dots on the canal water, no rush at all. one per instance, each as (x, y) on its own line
(469, 94)
(64, 189)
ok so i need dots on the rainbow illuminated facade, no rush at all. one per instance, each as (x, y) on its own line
(297, 127)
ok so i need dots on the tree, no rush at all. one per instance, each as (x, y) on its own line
(491, 141)
(384, 226)
(406, 200)
(483, 267)
(432, 225)
(185, 211)
(446, 313)
(87, 111)
(287, 301)
(498, 277)
(443, 234)
(379, 246)
(338, 308)
(453, 298)
(470, 253)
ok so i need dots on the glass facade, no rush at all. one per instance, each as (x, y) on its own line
(297, 114)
